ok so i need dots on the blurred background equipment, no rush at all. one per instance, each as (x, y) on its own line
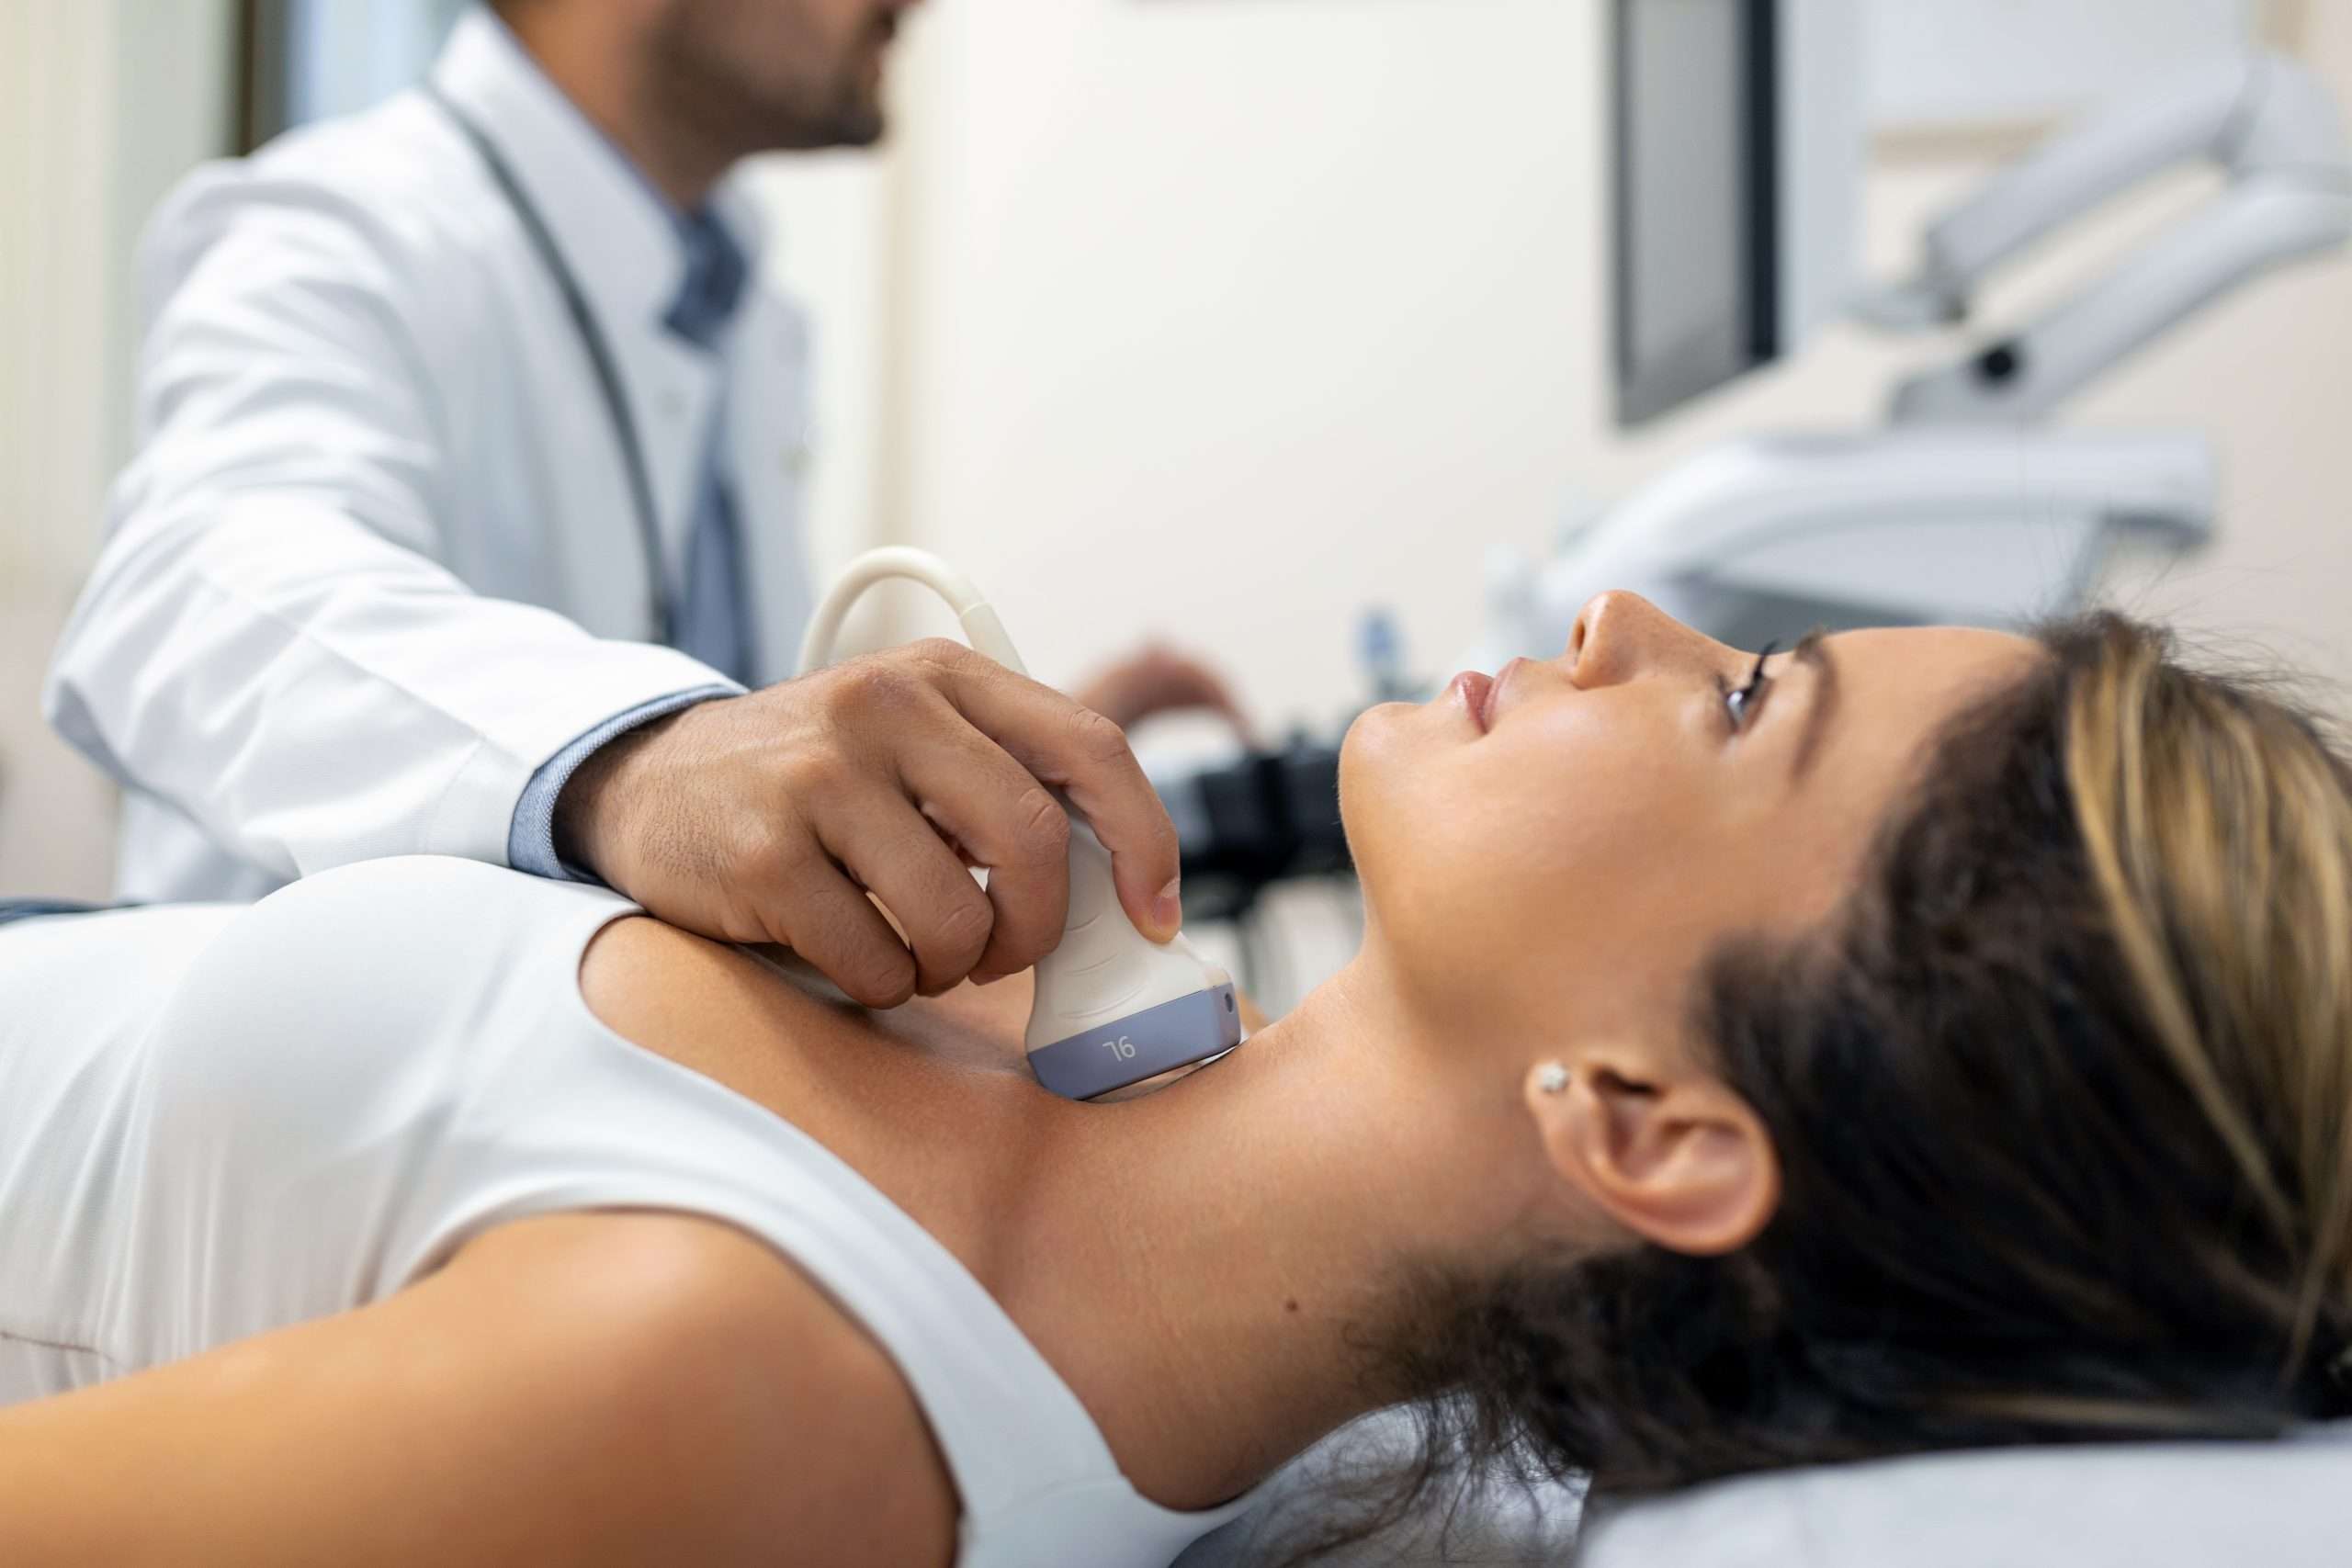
(1969, 507)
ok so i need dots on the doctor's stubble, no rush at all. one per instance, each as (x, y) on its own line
(780, 74)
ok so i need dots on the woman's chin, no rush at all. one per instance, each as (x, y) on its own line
(1385, 737)
(1374, 747)
(1387, 783)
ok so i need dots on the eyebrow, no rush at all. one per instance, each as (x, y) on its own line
(1812, 651)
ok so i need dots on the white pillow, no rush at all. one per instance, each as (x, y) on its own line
(2283, 1504)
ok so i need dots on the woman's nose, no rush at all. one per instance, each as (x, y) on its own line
(1619, 635)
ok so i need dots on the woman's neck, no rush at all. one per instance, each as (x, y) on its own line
(1215, 1267)
(1211, 1268)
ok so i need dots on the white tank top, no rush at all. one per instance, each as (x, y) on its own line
(373, 1067)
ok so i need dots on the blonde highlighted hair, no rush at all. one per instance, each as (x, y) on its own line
(2217, 825)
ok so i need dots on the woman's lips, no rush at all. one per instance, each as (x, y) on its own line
(1491, 707)
(1476, 690)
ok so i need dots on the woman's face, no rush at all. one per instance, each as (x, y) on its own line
(1552, 854)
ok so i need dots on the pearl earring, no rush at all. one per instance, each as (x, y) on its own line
(1552, 1078)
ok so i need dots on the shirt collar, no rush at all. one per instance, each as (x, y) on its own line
(640, 261)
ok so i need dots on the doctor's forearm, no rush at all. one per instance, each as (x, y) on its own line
(312, 693)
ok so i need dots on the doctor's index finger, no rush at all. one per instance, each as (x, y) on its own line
(1078, 751)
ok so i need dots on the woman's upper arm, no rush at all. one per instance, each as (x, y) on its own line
(583, 1388)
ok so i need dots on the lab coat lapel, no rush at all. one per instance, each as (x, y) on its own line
(613, 236)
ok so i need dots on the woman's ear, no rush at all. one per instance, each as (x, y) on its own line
(1673, 1155)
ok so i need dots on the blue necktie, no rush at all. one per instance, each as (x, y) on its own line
(714, 619)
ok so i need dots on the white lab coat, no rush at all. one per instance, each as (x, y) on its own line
(375, 560)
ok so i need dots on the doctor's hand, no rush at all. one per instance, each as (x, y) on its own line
(769, 817)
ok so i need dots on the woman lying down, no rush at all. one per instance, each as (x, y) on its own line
(1924, 1040)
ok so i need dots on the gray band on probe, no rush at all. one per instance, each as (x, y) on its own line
(1141, 1045)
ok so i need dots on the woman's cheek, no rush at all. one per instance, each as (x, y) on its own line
(1464, 837)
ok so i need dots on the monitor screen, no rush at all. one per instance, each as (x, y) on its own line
(1695, 220)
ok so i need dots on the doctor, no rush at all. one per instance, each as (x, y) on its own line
(466, 517)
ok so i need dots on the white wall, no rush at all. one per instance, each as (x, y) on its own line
(831, 247)
(1228, 317)
(102, 103)
(55, 138)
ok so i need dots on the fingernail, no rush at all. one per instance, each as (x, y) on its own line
(1169, 906)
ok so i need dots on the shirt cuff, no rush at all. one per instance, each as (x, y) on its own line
(530, 841)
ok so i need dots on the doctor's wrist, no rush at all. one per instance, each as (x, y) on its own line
(596, 813)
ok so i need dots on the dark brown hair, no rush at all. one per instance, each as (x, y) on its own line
(2061, 1100)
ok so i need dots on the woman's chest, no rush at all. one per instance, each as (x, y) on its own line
(930, 1103)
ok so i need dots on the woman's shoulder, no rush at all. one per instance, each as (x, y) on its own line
(584, 1388)
(698, 1340)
